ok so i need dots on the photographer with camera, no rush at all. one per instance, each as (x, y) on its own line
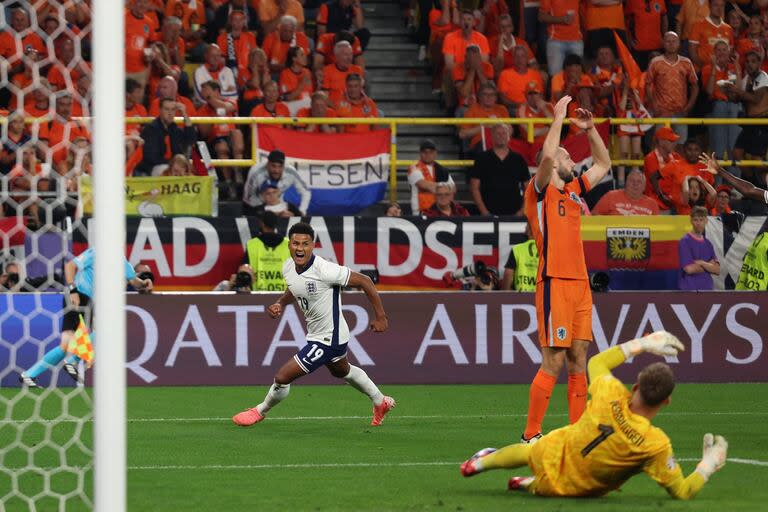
(9, 278)
(475, 276)
(144, 273)
(241, 282)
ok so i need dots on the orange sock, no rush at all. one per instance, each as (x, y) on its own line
(577, 395)
(538, 401)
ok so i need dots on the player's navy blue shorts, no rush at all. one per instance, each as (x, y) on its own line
(315, 355)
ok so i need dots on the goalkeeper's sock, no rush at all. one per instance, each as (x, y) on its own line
(51, 358)
(577, 395)
(276, 394)
(73, 359)
(512, 456)
(538, 401)
(359, 380)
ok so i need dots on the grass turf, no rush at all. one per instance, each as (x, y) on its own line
(317, 452)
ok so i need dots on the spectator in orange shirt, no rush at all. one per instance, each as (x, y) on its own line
(67, 68)
(29, 175)
(170, 36)
(62, 130)
(296, 85)
(356, 104)
(627, 201)
(723, 203)
(442, 21)
(42, 104)
(318, 108)
(221, 17)
(489, 15)
(630, 136)
(236, 43)
(691, 12)
(486, 106)
(22, 82)
(468, 77)
(225, 140)
(167, 88)
(657, 186)
(424, 175)
(13, 140)
(608, 75)
(566, 81)
(12, 52)
(647, 20)
(722, 67)
(134, 94)
(563, 31)
(535, 107)
(752, 40)
(335, 75)
(326, 43)
(277, 44)
(601, 19)
(671, 84)
(271, 13)
(677, 170)
(271, 106)
(161, 67)
(514, 81)
(455, 44)
(503, 46)
(585, 98)
(707, 32)
(139, 30)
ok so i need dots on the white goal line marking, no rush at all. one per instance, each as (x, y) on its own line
(750, 462)
(394, 416)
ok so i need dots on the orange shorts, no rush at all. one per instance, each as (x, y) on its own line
(563, 311)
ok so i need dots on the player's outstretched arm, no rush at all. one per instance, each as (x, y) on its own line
(600, 157)
(276, 309)
(660, 343)
(551, 143)
(745, 188)
(668, 474)
(363, 282)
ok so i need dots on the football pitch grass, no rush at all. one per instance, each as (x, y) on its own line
(316, 451)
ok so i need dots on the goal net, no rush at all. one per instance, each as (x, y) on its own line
(46, 432)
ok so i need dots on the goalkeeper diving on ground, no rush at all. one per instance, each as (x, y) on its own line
(613, 440)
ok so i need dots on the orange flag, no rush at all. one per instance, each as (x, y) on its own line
(628, 62)
(81, 344)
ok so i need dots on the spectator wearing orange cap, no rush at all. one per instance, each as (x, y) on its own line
(656, 186)
(565, 81)
(514, 81)
(647, 20)
(503, 46)
(723, 203)
(486, 106)
(356, 104)
(535, 107)
(278, 42)
(707, 32)
(469, 76)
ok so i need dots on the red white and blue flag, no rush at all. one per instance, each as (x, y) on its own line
(346, 172)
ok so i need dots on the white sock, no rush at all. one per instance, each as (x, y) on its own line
(276, 394)
(359, 380)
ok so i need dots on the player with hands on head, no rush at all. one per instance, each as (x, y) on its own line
(315, 285)
(553, 205)
(614, 439)
(744, 187)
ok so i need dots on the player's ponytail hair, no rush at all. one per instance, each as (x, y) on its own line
(656, 382)
(301, 228)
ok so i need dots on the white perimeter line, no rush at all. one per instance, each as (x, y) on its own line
(749, 462)
(393, 417)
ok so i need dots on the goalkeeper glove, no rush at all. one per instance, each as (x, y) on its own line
(660, 343)
(715, 452)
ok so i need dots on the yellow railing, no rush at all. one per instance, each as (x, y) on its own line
(394, 122)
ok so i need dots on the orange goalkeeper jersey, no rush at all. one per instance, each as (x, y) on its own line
(607, 446)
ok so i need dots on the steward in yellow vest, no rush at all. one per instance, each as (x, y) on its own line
(521, 267)
(754, 270)
(266, 254)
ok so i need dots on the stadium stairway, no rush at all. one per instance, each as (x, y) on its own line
(401, 87)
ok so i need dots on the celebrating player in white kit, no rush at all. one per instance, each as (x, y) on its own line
(315, 285)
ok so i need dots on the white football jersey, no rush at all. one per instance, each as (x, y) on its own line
(318, 293)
